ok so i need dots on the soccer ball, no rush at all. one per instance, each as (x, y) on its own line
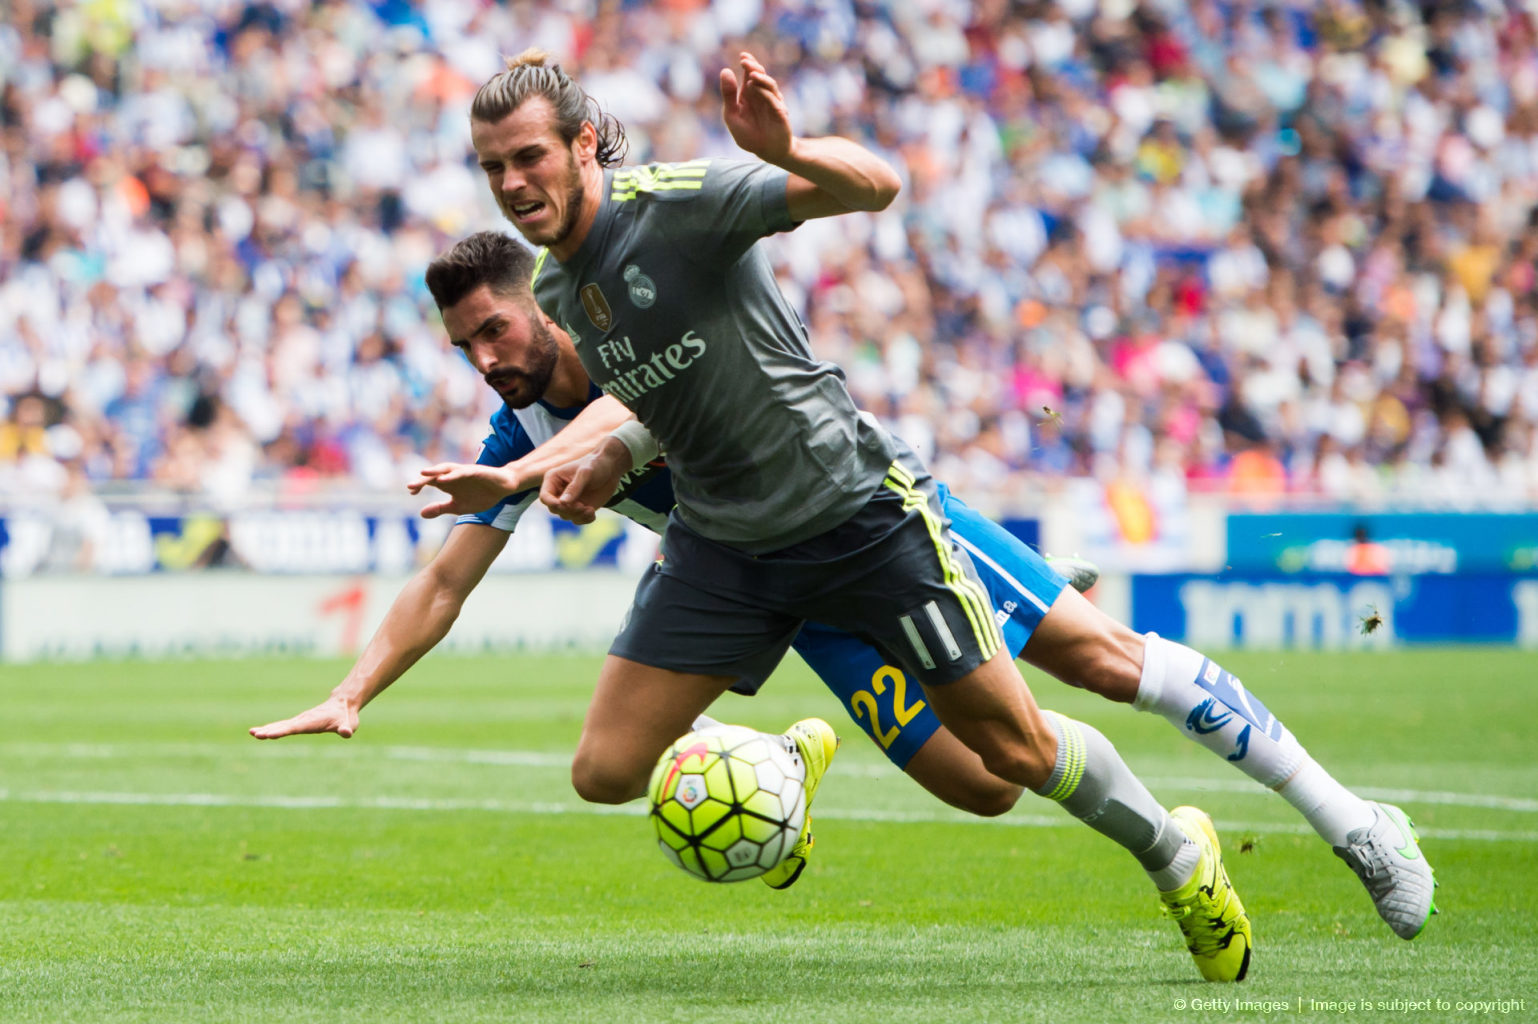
(727, 803)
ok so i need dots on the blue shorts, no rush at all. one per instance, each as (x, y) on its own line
(880, 697)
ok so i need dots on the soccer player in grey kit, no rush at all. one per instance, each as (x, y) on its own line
(793, 505)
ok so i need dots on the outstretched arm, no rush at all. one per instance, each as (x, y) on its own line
(420, 617)
(474, 488)
(828, 176)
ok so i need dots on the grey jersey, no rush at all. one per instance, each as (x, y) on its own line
(674, 311)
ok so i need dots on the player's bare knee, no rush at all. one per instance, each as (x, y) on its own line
(600, 782)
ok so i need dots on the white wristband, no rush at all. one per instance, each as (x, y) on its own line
(638, 440)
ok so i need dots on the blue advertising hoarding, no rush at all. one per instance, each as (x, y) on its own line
(1414, 542)
(1337, 610)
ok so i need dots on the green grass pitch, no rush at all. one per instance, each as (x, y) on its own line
(156, 864)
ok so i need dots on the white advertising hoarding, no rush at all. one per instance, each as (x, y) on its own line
(223, 613)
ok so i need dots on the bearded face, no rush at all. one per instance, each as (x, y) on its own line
(522, 385)
(507, 341)
(533, 173)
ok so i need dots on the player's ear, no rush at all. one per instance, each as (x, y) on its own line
(586, 142)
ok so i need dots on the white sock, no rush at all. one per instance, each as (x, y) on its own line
(1180, 869)
(704, 722)
(1209, 705)
(1332, 809)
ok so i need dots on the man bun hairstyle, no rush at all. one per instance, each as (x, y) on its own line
(486, 257)
(533, 73)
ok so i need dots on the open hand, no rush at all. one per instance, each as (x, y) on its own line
(755, 111)
(335, 715)
(470, 487)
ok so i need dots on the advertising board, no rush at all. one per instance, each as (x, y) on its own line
(1337, 610)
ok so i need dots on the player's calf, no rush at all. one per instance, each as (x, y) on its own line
(956, 775)
(1084, 647)
(637, 711)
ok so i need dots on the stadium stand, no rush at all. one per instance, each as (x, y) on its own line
(1263, 249)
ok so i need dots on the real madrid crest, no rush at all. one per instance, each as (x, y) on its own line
(643, 290)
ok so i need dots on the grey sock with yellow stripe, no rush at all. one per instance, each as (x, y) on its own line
(1094, 784)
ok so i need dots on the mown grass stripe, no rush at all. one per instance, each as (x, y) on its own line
(635, 809)
(306, 750)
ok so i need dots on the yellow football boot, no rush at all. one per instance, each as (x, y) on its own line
(1207, 908)
(817, 743)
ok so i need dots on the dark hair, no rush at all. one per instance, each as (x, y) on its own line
(532, 73)
(486, 257)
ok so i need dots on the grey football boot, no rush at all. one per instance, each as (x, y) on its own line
(1386, 856)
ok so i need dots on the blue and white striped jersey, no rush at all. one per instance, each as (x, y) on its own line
(645, 495)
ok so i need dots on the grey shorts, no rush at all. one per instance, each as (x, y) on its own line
(890, 574)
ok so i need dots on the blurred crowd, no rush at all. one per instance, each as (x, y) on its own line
(1262, 248)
